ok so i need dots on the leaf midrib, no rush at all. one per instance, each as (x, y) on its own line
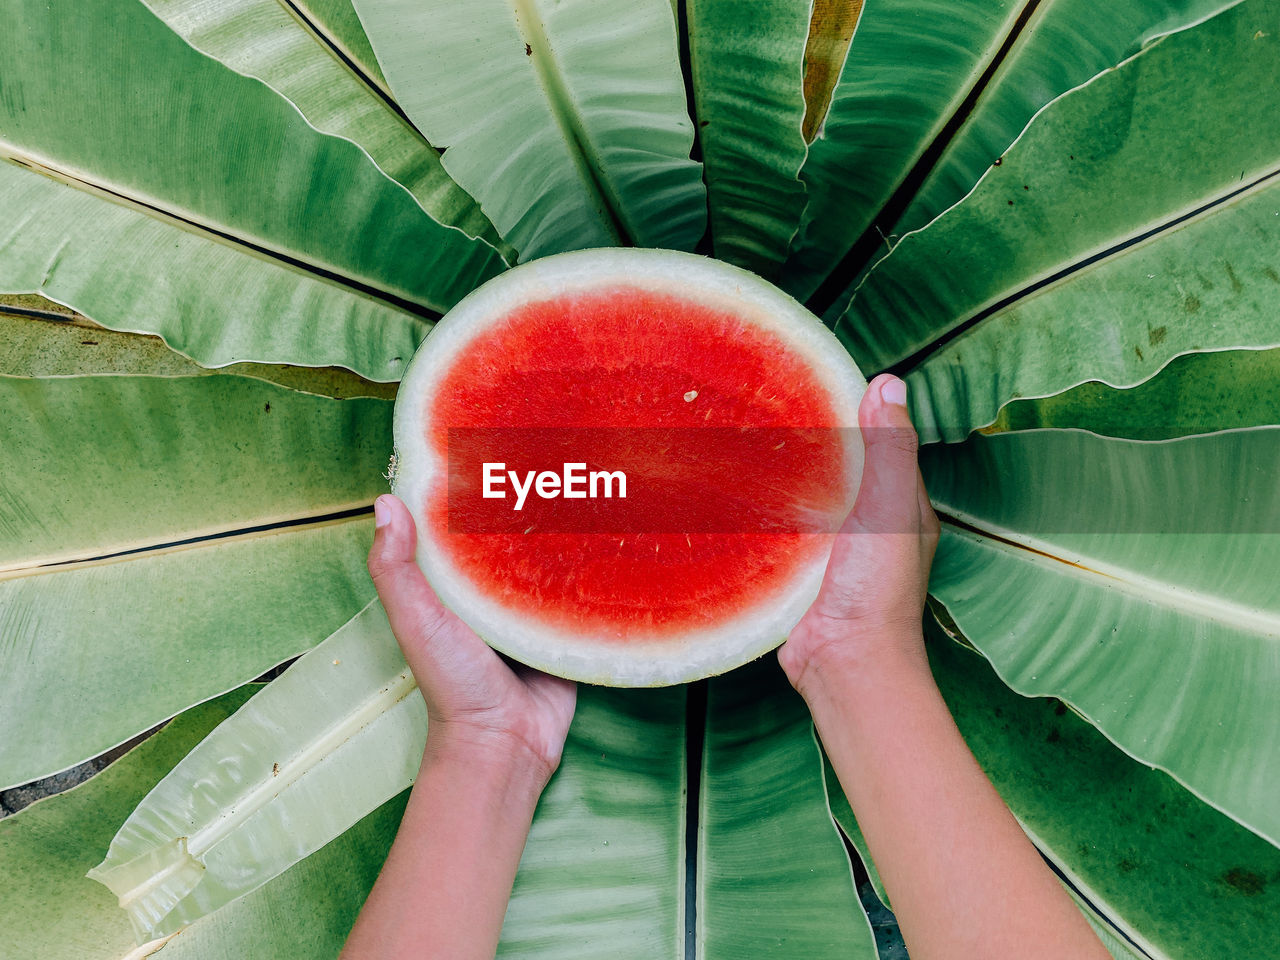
(335, 515)
(583, 153)
(335, 49)
(154, 208)
(835, 287)
(1141, 235)
(326, 741)
(1042, 553)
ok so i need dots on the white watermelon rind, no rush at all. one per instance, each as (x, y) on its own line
(638, 661)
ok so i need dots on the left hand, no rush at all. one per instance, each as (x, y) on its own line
(475, 701)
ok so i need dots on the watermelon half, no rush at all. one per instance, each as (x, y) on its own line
(728, 409)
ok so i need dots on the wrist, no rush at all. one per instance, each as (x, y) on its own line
(833, 660)
(485, 755)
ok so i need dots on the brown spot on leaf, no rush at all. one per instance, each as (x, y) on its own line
(1138, 351)
(275, 769)
(831, 27)
(89, 343)
(267, 407)
(528, 50)
(1155, 336)
(1271, 275)
(1127, 866)
(1236, 285)
(1246, 881)
(998, 161)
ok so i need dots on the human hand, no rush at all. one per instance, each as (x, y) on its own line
(870, 603)
(964, 878)
(475, 701)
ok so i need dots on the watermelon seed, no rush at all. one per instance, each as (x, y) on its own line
(691, 396)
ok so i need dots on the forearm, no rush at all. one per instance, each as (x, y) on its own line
(443, 890)
(964, 880)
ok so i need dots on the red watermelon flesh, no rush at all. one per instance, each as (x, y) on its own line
(662, 388)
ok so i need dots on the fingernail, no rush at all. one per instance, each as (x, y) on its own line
(894, 390)
(381, 512)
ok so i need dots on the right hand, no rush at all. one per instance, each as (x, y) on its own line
(872, 597)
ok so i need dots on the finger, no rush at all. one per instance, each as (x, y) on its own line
(888, 498)
(421, 623)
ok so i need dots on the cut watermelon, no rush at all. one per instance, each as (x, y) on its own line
(703, 425)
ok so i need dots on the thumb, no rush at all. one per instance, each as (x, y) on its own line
(888, 499)
(415, 612)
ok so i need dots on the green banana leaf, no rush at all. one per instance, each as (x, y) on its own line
(51, 910)
(46, 849)
(1063, 44)
(98, 652)
(341, 732)
(181, 435)
(945, 89)
(1132, 313)
(68, 246)
(1152, 570)
(1111, 162)
(1195, 393)
(279, 483)
(116, 185)
(245, 793)
(566, 121)
(339, 24)
(765, 834)
(910, 65)
(747, 72)
(43, 349)
(1128, 837)
(295, 55)
(308, 911)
